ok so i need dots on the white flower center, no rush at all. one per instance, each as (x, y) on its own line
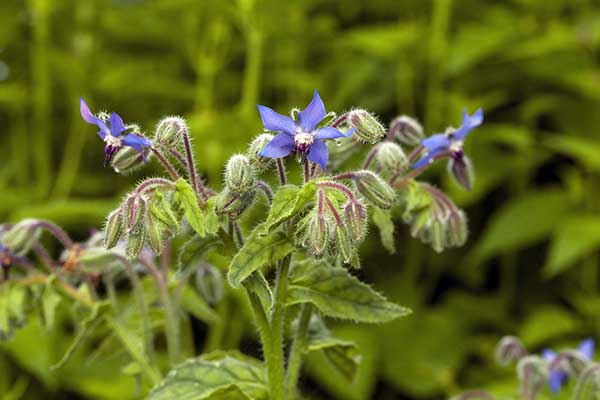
(112, 141)
(456, 145)
(302, 138)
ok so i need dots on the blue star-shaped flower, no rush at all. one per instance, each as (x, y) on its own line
(450, 142)
(113, 136)
(301, 136)
(557, 376)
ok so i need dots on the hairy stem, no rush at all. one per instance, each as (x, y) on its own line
(281, 172)
(298, 350)
(166, 163)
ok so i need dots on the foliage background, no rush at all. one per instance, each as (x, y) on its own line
(531, 265)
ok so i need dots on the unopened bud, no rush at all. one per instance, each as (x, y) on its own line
(22, 236)
(95, 258)
(233, 204)
(170, 131)
(419, 224)
(259, 163)
(318, 235)
(113, 231)
(368, 128)
(509, 349)
(239, 176)
(461, 170)
(344, 244)
(458, 230)
(209, 283)
(438, 235)
(391, 158)
(135, 242)
(154, 234)
(128, 160)
(375, 189)
(135, 210)
(407, 130)
(162, 213)
(356, 218)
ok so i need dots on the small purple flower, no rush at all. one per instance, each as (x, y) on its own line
(116, 136)
(557, 376)
(451, 142)
(300, 136)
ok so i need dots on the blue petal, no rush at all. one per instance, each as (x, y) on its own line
(548, 354)
(586, 348)
(116, 125)
(136, 142)
(274, 121)
(318, 153)
(469, 122)
(280, 146)
(436, 142)
(556, 379)
(313, 114)
(424, 161)
(90, 118)
(328, 132)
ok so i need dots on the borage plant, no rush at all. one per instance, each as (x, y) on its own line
(292, 268)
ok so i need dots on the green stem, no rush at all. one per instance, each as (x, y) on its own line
(274, 354)
(298, 350)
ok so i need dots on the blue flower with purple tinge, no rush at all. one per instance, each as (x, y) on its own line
(302, 136)
(115, 135)
(558, 376)
(451, 142)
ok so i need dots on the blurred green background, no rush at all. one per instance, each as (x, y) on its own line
(530, 267)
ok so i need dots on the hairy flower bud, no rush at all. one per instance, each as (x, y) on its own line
(509, 349)
(375, 189)
(22, 236)
(318, 235)
(368, 128)
(209, 283)
(135, 242)
(457, 228)
(128, 160)
(407, 130)
(420, 224)
(239, 176)
(169, 131)
(135, 210)
(259, 163)
(461, 169)
(95, 258)
(113, 230)
(438, 235)
(154, 234)
(356, 218)
(234, 204)
(162, 214)
(391, 158)
(345, 244)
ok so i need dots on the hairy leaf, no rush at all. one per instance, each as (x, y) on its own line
(383, 220)
(287, 202)
(204, 220)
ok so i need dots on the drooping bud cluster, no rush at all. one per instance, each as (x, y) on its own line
(406, 130)
(368, 128)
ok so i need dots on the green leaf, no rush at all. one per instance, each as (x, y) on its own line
(195, 305)
(574, 238)
(547, 323)
(50, 300)
(342, 354)
(214, 376)
(196, 249)
(338, 294)
(259, 286)
(383, 220)
(259, 250)
(203, 220)
(287, 202)
(522, 222)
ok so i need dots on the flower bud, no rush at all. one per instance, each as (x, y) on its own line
(209, 283)
(368, 128)
(113, 230)
(509, 349)
(95, 258)
(407, 130)
(128, 160)
(21, 237)
(461, 170)
(259, 163)
(135, 210)
(375, 189)
(356, 218)
(391, 158)
(135, 242)
(438, 235)
(154, 234)
(233, 204)
(318, 235)
(239, 176)
(420, 224)
(162, 214)
(457, 228)
(344, 244)
(170, 131)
